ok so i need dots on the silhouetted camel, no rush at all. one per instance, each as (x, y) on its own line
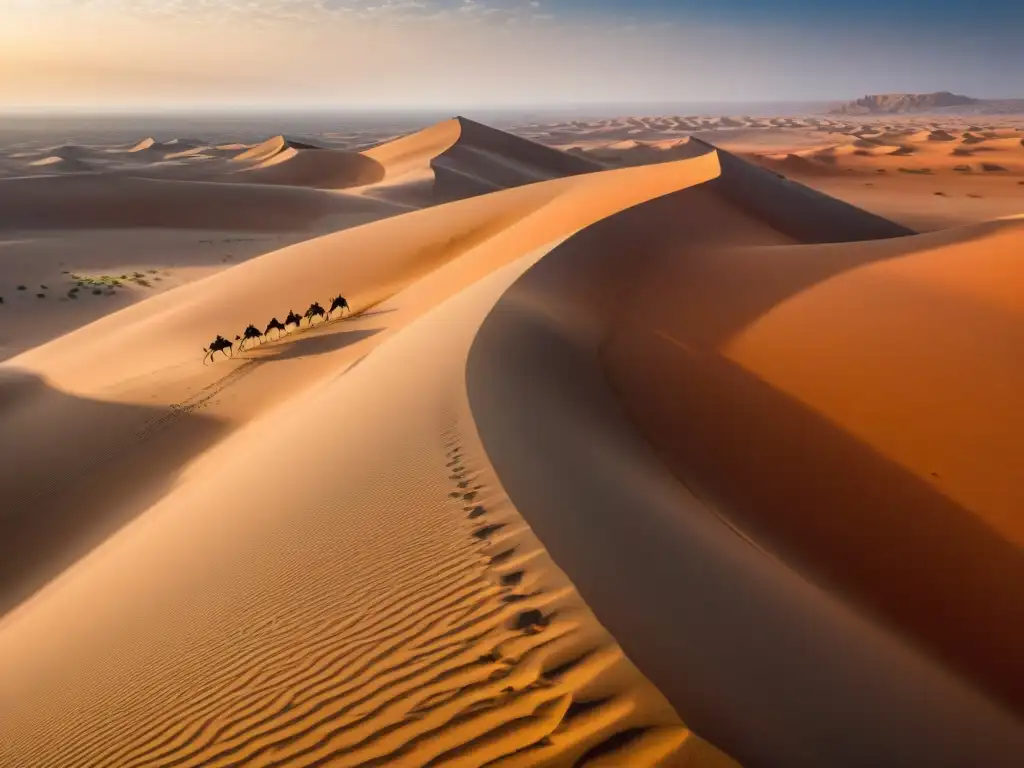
(250, 332)
(292, 319)
(275, 323)
(339, 303)
(220, 344)
(315, 310)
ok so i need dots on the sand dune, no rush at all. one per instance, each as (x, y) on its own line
(668, 464)
(62, 164)
(114, 201)
(860, 437)
(320, 168)
(270, 148)
(444, 637)
(465, 158)
(144, 144)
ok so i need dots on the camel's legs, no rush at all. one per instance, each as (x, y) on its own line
(208, 354)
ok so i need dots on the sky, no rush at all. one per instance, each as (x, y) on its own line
(100, 55)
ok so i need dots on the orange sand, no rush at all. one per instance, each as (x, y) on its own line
(779, 469)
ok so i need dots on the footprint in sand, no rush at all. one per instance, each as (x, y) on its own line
(502, 557)
(531, 621)
(512, 579)
(488, 530)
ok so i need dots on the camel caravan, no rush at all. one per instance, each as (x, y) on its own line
(253, 334)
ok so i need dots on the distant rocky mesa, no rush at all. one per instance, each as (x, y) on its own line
(899, 103)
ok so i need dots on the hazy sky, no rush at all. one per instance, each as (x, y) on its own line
(486, 53)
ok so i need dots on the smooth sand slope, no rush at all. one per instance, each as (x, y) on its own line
(786, 521)
(313, 586)
(325, 551)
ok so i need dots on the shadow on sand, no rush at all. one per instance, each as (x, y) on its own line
(843, 515)
(75, 470)
(857, 521)
(309, 345)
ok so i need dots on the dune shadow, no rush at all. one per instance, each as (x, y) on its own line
(75, 470)
(320, 344)
(375, 312)
(771, 673)
(833, 506)
(829, 503)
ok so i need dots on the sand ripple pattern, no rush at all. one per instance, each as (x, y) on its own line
(468, 660)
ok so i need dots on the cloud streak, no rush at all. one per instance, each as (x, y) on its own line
(452, 53)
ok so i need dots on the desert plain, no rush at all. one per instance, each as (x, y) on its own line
(645, 441)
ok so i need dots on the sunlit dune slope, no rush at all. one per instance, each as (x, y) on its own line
(465, 158)
(367, 263)
(334, 574)
(320, 168)
(271, 148)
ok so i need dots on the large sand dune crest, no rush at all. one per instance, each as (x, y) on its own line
(465, 158)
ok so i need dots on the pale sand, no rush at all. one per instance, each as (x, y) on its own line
(306, 555)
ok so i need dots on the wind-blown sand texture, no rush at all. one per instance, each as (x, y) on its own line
(676, 464)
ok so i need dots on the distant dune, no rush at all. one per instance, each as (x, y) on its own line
(270, 148)
(465, 158)
(320, 168)
(63, 164)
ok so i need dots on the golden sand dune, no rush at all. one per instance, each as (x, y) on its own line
(320, 168)
(270, 148)
(934, 151)
(465, 158)
(709, 546)
(491, 518)
(430, 627)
